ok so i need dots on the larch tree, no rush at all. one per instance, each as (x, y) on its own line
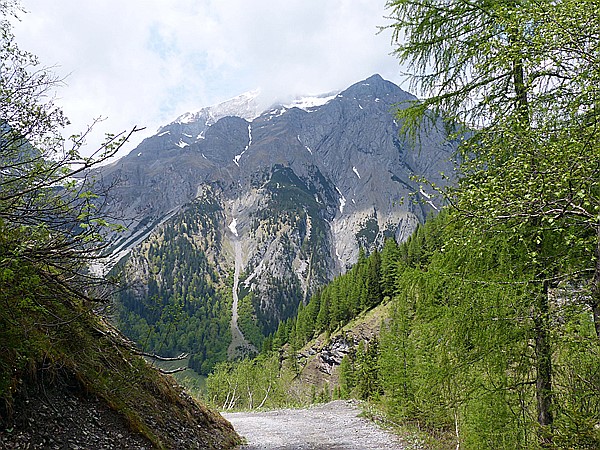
(518, 82)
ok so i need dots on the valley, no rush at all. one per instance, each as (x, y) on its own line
(429, 260)
(300, 188)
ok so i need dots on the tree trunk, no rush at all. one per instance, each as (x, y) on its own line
(265, 398)
(250, 398)
(543, 349)
(543, 384)
(595, 289)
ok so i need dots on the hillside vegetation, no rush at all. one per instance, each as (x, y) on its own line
(175, 300)
(62, 363)
(67, 378)
(451, 350)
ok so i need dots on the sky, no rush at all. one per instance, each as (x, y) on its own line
(145, 62)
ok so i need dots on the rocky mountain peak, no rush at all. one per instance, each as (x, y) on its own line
(245, 106)
(376, 87)
(287, 196)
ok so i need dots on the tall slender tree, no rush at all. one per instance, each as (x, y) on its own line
(518, 81)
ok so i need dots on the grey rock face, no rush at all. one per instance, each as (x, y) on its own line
(302, 188)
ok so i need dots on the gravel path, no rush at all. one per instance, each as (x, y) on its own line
(332, 426)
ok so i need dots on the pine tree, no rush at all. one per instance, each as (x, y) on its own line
(390, 256)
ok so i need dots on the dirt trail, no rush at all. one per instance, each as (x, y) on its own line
(333, 426)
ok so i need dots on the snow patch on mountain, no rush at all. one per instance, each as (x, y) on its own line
(310, 102)
(305, 146)
(249, 137)
(236, 158)
(244, 106)
(277, 112)
(342, 200)
(233, 227)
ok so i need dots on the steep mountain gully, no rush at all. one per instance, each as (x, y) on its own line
(333, 426)
(239, 345)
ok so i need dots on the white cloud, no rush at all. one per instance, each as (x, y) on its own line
(145, 62)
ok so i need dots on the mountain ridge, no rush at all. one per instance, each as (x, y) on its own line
(305, 189)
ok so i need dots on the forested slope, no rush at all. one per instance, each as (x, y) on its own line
(175, 300)
(456, 349)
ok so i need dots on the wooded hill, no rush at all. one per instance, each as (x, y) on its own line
(495, 325)
(457, 351)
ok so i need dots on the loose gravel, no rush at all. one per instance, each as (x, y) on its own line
(333, 426)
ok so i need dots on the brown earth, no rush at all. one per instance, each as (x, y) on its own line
(91, 389)
(60, 414)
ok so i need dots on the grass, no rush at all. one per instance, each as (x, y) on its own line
(44, 332)
(412, 434)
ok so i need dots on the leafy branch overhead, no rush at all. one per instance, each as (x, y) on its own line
(50, 211)
(519, 82)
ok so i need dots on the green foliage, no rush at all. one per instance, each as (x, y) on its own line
(390, 257)
(356, 291)
(457, 353)
(283, 292)
(366, 370)
(248, 384)
(248, 323)
(347, 375)
(50, 226)
(184, 307)
(49, 214)
(49, 339)
(512, 79)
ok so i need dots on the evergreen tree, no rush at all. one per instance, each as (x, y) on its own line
(390, 256)
(373, 285)
(514, 75)
(347, 374)
(323, 317)
(367, 369)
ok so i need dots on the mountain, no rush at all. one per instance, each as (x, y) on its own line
(231, 210)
